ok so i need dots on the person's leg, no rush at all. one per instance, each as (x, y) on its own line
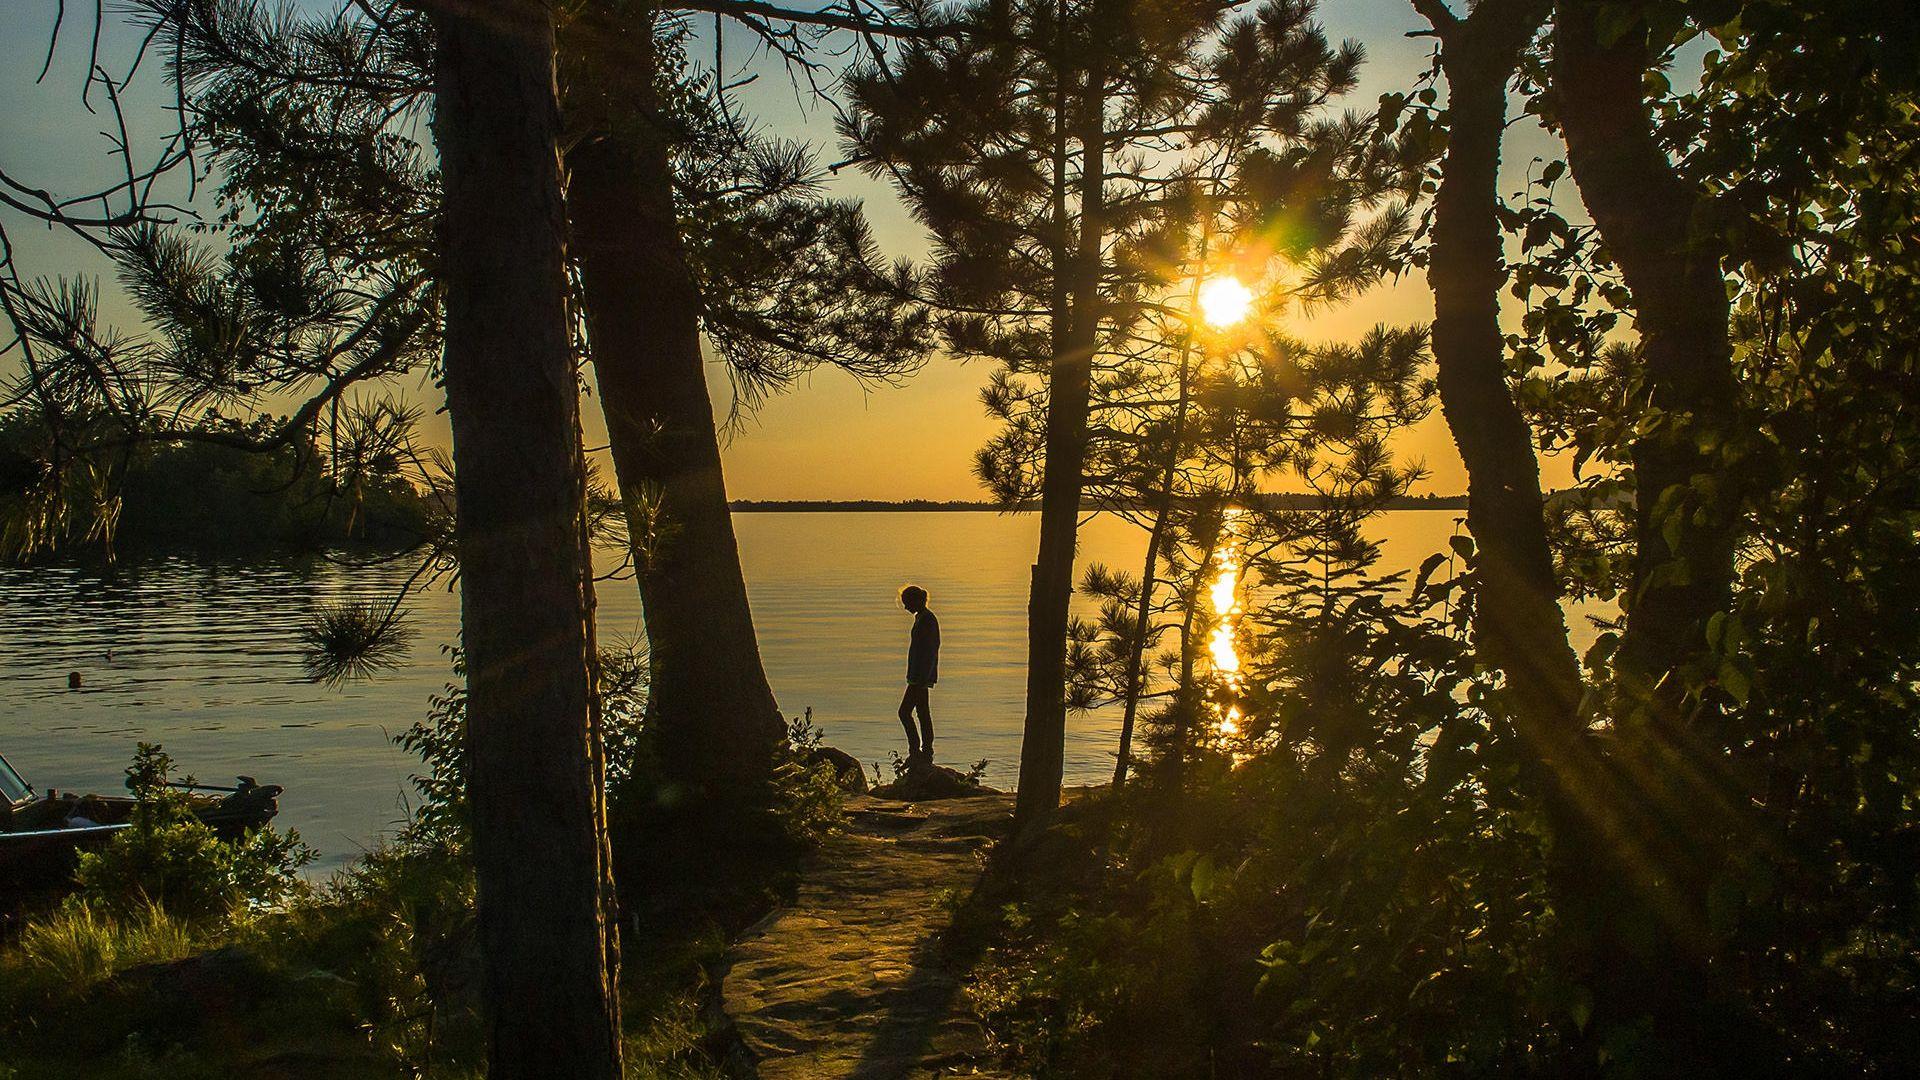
(906, 719)
(923, 703)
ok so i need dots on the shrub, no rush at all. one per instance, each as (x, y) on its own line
(169, 858)
(394, 935)
(809, 802)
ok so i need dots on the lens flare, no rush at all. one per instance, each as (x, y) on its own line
(1224, 301)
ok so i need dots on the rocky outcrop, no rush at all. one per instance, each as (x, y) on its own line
(925, 782)
(846, 767)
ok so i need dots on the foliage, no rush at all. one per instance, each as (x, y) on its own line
(1357, 880)
(802, 806)
(439, 741)
(168, 858)
(1213, 154)
(1273, 409)
(810, 797)
(396, 935)
(1338, 882)
(79, 945)
(1774, 807)
(375, 971)
(206, 495)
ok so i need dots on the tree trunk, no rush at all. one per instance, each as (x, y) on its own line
(1656, 226)
(1519, 628)
(525, 594)
(1651, 942)
(1518, 625)
(708, 698)
(1186, 690)
(1135, 686)
(1143, 611)
(1069, 395)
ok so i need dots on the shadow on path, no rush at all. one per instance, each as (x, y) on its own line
(851, 980)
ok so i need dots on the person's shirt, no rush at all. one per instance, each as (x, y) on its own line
(923, 650)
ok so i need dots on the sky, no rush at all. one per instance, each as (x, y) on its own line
(829, 437)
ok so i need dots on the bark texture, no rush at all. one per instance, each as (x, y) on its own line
(1069, 399)
(1652, 947)
(1658, 227)
(708, 698)
(526, 593)
(1518, 625)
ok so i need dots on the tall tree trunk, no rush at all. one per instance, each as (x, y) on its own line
(525, 594)
(1186, 700)
(1652, 945)
(1657, 227)
(1135, 685)
(1163, 507)
(1069, 399)
(708, 697)
(1518, 625)
(1519, 628)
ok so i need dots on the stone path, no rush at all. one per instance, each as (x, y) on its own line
(850, 980)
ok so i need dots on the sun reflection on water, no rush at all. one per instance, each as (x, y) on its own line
(1224, 592)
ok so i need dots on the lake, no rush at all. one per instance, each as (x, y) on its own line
(202, 655)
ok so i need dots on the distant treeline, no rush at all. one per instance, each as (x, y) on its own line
(1277, 500)
(203, 495)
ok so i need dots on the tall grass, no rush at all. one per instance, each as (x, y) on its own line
(79, 946)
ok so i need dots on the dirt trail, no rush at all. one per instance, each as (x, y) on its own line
(850, 981)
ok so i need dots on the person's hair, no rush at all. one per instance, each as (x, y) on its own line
(913, 596)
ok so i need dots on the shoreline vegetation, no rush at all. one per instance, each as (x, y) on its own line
(1358, 825)
(197, 495)
(1265, 501)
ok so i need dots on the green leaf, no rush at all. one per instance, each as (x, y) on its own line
(1735, 682)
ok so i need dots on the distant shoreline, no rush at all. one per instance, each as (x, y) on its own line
(923, 506)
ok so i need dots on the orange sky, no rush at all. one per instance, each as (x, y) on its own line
(828, 438)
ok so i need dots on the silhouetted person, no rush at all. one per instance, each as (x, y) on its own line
(923, 670)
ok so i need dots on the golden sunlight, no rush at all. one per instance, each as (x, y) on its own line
(1224, 301)
(1223, 591)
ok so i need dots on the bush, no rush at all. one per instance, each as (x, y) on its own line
(1340, 883)
(395, 936)
(169, 858)
(809, 802)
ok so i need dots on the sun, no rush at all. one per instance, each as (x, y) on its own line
(1224, 301)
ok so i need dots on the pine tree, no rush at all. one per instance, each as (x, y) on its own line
(689, 225)
(1048, 147)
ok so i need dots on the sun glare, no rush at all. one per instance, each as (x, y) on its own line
(1224, 301)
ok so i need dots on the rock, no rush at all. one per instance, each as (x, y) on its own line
(216, 984)
(846, 768)
(924, 782)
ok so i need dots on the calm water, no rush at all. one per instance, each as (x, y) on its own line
(202, 656)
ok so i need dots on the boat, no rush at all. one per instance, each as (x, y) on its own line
(41, 835)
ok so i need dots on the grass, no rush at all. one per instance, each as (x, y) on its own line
(375, 976)
(78, 947)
